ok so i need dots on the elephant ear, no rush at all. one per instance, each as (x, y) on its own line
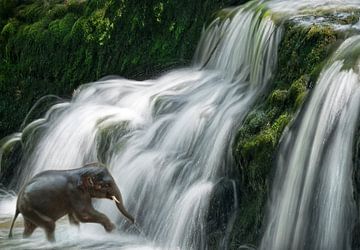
(86, 182)
(89, 181)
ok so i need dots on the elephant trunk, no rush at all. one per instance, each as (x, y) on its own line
(120, 205)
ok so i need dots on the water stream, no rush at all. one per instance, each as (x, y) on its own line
(166, 141)
(312, 204)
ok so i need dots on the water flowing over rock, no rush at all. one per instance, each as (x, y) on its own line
(169, 141)
(291, 7)
(166, 141)
(312, 204)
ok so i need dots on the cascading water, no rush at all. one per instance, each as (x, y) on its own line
(312, 204)
(166, 141)
(289, 7)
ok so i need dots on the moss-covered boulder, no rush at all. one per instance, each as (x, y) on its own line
(303, 52)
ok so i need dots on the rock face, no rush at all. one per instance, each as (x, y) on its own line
(303, 52)
(221, 213)
(356, 159)
(51, 48)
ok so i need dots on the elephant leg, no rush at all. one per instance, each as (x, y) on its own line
(29, 228)
(42, 221)
(91, 215)
(73, 220)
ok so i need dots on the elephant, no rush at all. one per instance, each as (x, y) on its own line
(52, 194)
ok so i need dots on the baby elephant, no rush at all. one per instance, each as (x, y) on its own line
(52, 194)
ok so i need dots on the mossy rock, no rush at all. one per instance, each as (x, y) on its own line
(279, 97)
(110, 138)
(302, 54)
(52, 47)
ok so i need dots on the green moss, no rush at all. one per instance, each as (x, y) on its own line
(278, 97)
(7, 8)
(303, 52)
(110, 138)
(303, 49)
(300, 99)
(76, 6)
(252, 206)
(30, 13)
(58, 11)
(59, 28)
(10, 157)
(297, 90)
(54, 46)
(350, 19)
(260, 148)
(51, 47)
(97, 27)
(9, 29)
(256, 121)
(158, 10)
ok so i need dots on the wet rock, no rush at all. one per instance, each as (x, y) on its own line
(221, 213)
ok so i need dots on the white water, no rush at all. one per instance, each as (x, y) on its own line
(294, 6)
(166, 141)
(312, 204)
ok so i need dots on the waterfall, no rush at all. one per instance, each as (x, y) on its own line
(290, 7)
(312, 204)
(167, 141)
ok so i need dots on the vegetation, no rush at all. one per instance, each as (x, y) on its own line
(302, 54)
(53, 46)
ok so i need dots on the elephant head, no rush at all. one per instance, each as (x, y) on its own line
(99, 183)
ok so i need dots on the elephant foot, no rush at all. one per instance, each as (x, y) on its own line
(50, 237)
(73, 220)
(29, 228)
(50, 233)
(35, 219)
(109, 227)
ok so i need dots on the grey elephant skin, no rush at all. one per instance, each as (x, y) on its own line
(52, 194)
